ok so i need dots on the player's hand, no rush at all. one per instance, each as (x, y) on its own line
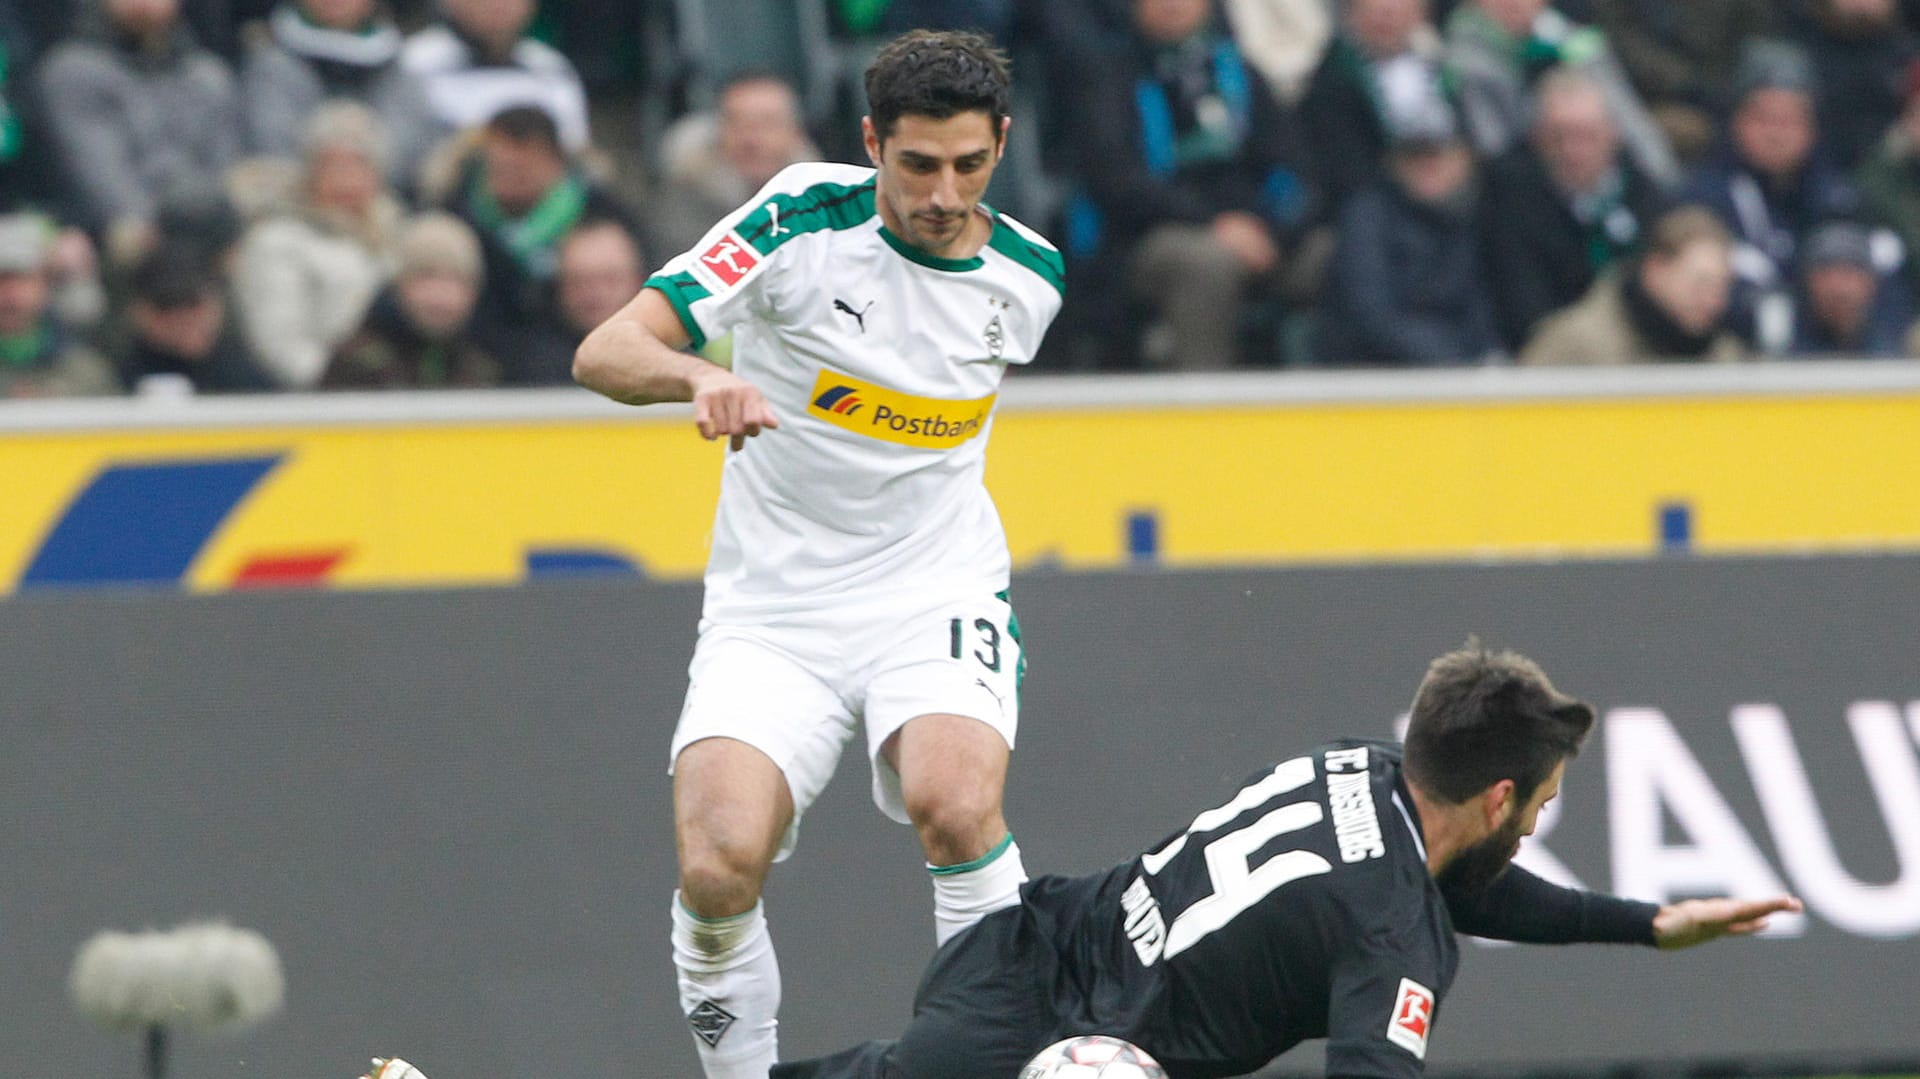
(1696, 921)
(728, 406)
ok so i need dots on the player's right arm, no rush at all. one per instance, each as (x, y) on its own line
(636, 358)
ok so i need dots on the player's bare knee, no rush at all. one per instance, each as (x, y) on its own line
(719, 878)
(955, 819)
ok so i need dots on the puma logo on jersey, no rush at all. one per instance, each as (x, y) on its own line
(859, 316)
(1412, 1018)
(729, 260)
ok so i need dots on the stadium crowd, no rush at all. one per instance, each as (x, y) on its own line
(256, 195)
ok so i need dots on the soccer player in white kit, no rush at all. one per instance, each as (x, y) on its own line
(859, 570)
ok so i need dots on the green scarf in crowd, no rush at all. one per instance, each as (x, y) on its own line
(531, 237)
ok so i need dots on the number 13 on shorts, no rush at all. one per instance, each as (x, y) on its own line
(991, 642)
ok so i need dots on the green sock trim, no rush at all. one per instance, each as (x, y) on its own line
(722, 920)
(978, 863)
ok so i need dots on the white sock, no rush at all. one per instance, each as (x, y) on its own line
(729, 990)
(965, 893)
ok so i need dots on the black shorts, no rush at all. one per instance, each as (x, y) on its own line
(984, 1009)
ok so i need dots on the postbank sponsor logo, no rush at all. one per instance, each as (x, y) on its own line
(890, 416)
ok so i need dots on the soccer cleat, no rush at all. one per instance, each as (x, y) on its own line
(393, 1068)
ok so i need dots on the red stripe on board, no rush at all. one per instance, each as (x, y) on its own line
(304, 569)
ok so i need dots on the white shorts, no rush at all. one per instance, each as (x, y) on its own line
(795, 689)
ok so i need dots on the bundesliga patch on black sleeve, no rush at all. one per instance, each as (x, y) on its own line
(1412, 1017)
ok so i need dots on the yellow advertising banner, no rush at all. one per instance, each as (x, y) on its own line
(499, 500)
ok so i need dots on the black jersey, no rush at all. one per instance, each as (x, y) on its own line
(1300, 908)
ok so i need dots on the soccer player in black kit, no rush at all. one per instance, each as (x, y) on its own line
(1320, 901)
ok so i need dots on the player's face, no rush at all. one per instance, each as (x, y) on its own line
(931, 175)
(1482, 863)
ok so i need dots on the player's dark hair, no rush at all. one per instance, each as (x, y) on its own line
(1481, 717)
(937, 74)
(527, 123)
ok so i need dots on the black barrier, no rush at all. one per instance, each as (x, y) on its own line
(449, 810)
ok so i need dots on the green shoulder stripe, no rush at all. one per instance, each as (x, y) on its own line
(1043, 261)
(821, 207)
(682, 291)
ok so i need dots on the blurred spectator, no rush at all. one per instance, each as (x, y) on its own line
(601, 268)
(180, 342)
(419, 332)
(1382, 66)
(1192, 176)
(1497, 48)
(1284, 40)
(1771, 186)
(1563, 207)
(307, 274)
(479, 62)
(30, 173)
(1407, 285)
(1682, 57)
(1667, 305)
(1890, 178)
(1860, 51)
(995, 18)
(39, 356)
(198, 213)
(137, 108)
(522, 193)
(310, 51)
(1847, 306)
(712, 163)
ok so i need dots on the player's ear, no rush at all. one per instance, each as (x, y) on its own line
(1499, 803)
(871, 137)
(1000, 151)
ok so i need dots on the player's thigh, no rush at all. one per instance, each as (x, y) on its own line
(959, 659)
(753, 703)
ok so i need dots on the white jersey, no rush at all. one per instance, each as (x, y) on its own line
(882, 363)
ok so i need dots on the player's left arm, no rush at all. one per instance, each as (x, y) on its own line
(1520, 906)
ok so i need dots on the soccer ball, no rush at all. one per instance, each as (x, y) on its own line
(1093, 1056)
(393, 1069)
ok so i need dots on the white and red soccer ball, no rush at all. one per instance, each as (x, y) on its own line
(1093, 1056)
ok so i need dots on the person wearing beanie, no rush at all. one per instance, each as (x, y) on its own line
(39, 356)
(1408, 286)
(1771, 183)
(418, 332)
(307, 274)
(312, 51)
(1846, 306)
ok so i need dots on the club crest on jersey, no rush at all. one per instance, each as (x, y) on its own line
(1412, 1018)
(729, 260)
(995, 336)
(904, 419)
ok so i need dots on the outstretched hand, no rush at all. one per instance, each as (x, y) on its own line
(1696, 921)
